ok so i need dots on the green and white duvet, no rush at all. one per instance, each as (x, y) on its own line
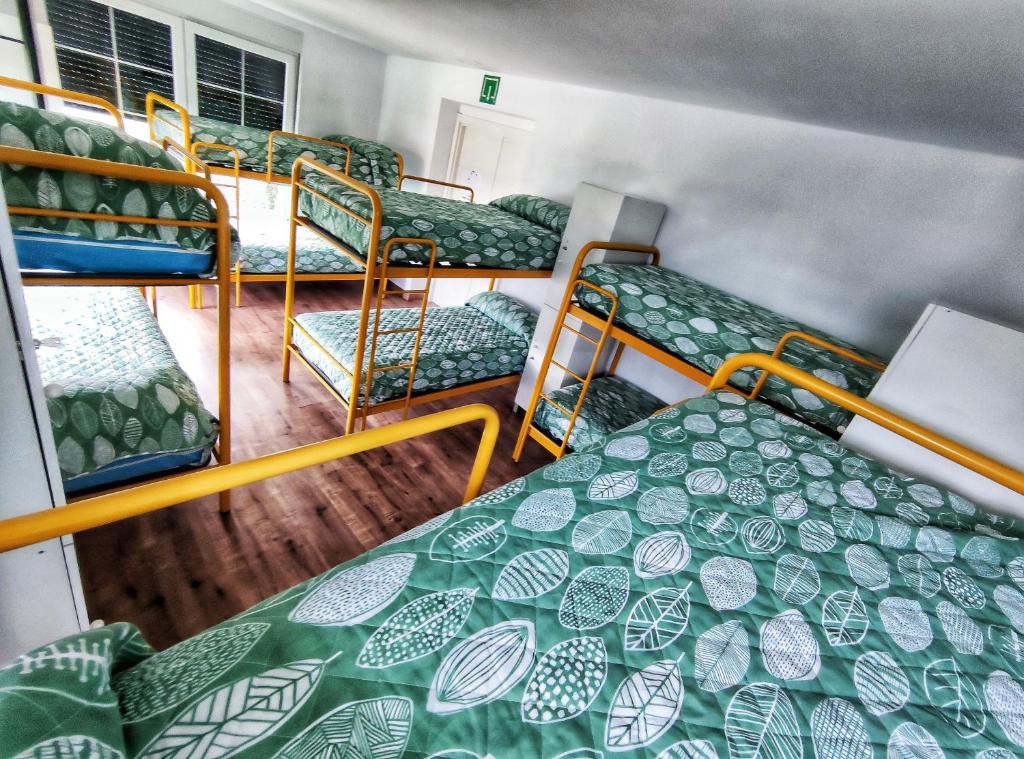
(266, 252)
(704, 326)
(716, 582)
(611, 404)
(369, 160)
(35, 129)
(466, 234)
(120, 406)
(486, 338)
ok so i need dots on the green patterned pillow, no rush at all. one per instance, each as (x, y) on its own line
(506, 311)
(382, 160)
(57, 700)
(542, 211)
(36, 129)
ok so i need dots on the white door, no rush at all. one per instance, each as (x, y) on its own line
(489, 156)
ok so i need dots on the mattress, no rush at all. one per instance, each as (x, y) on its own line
(266, 252)
(704, 326)
(611, 404)
(55, 243)
(460, 345)
(120, 406)
(717, 581)
(466, 234)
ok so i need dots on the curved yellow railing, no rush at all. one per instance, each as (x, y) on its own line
(933, 441)
(106, 509)
(818, 342)
(427, 180)
(78, 97)
(304, 138)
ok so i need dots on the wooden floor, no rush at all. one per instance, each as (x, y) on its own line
(177, 571)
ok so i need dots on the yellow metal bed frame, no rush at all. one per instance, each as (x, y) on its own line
(378, 270)
(114, 507)
(608, 330)
(101, 510)
(60, 162)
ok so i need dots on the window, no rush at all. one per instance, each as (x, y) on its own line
(239, 81)
(109, 52)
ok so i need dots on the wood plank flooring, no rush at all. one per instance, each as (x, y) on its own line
(176, 572)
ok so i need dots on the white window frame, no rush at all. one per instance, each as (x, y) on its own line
(290, 61)
(47, 46)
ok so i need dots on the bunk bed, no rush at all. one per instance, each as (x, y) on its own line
(690, 327)
(92, 206)
(392, 233)
(269, 154)
(460, 349)
(121, 407)
(645, 597)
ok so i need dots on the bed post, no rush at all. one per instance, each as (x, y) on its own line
(223, 334)
(289, 286)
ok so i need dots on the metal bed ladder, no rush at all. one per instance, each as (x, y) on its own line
(377, 332)
(529, 429)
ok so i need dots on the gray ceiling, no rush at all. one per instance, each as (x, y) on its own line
(949, 72)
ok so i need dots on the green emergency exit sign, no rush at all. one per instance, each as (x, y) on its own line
(489, 89)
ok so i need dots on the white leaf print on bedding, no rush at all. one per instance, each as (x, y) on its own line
(376, 728)
(644, 706)
(470, 539)
(796, 579)
(594, 598)
(721, 656)
(657, 619)
(602, 532)
(546, 511)
(698, 749)
(911, 741)
(906, 623)
(235, 716)
(483, 667)
(419, 628)
(838, 731)
(954, 696)
(663, 553)
(531, 574)
(355, 594)
(565, 681)
(881, 684)
(728, 582)
(789, 648)
(844, 618)
(760, 723)
(612, 485)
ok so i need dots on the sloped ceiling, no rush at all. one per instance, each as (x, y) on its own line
(949, 72)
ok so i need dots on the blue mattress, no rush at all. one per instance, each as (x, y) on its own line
(53, 252)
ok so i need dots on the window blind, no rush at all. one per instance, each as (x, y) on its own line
(111, 53)
(239, 86)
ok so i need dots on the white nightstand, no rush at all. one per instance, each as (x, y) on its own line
(962, 377)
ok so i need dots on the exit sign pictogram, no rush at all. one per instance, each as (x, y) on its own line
(489, 89)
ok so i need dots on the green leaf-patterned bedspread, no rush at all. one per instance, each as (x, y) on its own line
(114, 391)
(265, 252)
(460, 345)
(704, 326)
(252, 147)
(715, 582)
(611, 404)
(25, 127)
(466, 234)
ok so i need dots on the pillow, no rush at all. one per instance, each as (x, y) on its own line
(58, 698)
(35, 129)
(508, 312)
(542, 211)
(372, 162)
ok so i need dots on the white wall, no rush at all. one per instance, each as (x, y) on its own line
(340, 81)
(851, 233)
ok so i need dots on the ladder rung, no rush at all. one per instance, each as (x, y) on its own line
(391, 368)
(568, 370)
(557, 405)
(405, 292)
(589, 339)
(402, 331)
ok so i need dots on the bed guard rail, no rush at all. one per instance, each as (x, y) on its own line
(441, 183)
(78, 97)
(107, 509)
(933, 441)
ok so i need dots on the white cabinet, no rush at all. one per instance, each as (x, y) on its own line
(597, 214)
(40, 590)
(959, 376)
